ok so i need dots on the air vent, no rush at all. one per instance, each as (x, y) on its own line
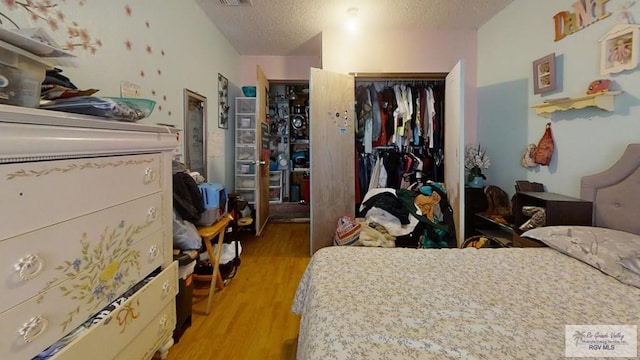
(236, 2)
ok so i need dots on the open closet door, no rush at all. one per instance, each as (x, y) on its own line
(332, 122)
(262, 162)
(454, 144)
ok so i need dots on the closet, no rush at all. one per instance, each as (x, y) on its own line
(399, 132)
(333, 134)
(289, 138)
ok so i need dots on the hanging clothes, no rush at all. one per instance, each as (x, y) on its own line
(408, 116)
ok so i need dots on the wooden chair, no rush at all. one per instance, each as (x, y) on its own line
(208, 233)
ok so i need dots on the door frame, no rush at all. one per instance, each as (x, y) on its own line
(262, 160)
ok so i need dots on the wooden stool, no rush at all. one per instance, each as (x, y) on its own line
(208, 233)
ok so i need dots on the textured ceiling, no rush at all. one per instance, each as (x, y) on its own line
(293, 27)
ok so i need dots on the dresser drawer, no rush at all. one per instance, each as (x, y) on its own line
(43, 193)
(42, 259)
(152, 307)
(33, 325)
(146, 343)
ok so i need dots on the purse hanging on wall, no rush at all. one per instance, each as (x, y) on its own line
(544, 150)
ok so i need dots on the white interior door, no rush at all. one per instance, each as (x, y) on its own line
(454, 145)
(332, 153)
(262, 159)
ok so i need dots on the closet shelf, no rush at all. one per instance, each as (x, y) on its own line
(604, 101)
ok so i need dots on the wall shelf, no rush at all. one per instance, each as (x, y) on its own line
(604, 101)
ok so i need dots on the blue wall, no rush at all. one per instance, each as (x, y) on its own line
(587, 141)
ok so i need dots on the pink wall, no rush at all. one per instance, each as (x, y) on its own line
(278, 67)
(414, 51)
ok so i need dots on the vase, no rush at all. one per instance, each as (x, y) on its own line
(477, 182)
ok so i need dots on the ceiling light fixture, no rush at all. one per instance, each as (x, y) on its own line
(352, 15)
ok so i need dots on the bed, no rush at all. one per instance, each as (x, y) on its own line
(512, 303)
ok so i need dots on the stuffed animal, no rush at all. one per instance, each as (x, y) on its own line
(538, 217)
(527, 156)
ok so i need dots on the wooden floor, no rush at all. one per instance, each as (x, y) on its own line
(251, 318)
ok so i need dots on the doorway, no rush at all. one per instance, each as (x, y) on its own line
(290, 150)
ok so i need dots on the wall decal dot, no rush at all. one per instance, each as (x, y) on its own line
(42, 7)
(159, 72)
(149, 49)
(53, 24)
(153, 92)
(141, 73)
(164, 97)
(128, 44)
(127, 10)
(162, 52)
(169, 113)
(146, 23)
(160, 107)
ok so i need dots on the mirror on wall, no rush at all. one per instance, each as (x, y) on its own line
(195, 132)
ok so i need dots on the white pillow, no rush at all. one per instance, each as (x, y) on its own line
(631, 263)
(615, 253)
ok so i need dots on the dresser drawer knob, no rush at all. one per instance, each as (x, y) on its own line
(152, 214)
(166, 287)
(29, 266)
(154, 252)
(164, 322)
(149, 175)
(32, 328)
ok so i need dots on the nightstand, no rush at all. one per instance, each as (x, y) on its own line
(475, 201)
(500, 232)
(560, 210)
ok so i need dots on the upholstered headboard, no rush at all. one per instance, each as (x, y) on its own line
(615, 193)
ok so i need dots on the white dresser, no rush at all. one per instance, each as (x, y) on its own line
(85, 215)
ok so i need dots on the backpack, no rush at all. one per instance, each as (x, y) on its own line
(187, 199)
(437, 236)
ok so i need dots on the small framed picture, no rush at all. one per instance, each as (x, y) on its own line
(544, 74)
(619, 49)
(223, 102)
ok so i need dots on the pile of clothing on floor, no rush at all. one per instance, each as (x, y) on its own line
(418, 217)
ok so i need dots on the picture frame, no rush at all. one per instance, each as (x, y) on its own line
(544, 74)
(223, 102)
(195, 131)
(619, 49)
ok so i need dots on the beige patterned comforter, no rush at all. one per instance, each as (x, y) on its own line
(372, 303)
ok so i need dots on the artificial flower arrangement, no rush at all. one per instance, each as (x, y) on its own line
(476, 160)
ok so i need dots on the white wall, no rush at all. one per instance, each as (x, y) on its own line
(586, 141)
(185, 51)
